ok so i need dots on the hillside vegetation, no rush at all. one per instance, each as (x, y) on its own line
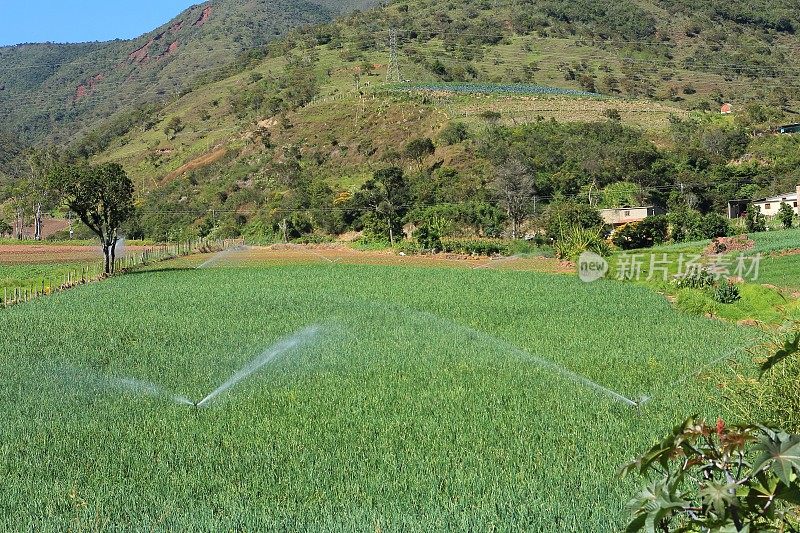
(53, 91)
(304, 138)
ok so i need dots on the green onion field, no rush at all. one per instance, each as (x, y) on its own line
(423, 402)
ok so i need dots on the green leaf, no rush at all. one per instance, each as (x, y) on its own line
(720, 496)
(790, 347)
(780, 453)
(790, 494)
(637, 524)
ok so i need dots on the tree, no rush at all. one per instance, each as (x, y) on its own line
(419, 149)
(562, 216)
(387, 196)
(621, 194)
(515, 184)
(613, 114)
(712, 226)
(101, 196)
(755, 219)
(645, 234)
(5, 228)
(454, 133)
(786, 215)
(174, 126)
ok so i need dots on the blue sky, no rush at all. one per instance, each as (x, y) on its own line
(83, 20)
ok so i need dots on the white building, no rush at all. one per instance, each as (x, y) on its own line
(770, 206)
(626, 215)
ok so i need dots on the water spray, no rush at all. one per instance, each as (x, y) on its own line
(146, 388)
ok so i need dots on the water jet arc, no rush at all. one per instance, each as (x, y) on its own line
(298, 339)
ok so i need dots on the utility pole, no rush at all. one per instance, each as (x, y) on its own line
(393, 70)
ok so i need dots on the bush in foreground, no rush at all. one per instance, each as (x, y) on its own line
(719, 478)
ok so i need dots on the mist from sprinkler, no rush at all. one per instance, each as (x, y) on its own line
(146, 388)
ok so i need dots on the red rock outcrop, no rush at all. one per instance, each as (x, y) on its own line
(204, 16)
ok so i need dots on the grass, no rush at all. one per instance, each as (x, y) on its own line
(34, 276)
(421, 408)
(776, 240)
(781, 271)
(757, 303)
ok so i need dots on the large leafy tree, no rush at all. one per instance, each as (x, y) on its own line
(387, 196)
(101, 196)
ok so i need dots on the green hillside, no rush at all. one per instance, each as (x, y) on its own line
(53, 91)
(583, 95)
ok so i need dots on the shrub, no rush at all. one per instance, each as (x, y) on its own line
(454, 133)
(612, 114)
(645, 234)
(577, 240)
(697, 279)
(718, 478)
(766, 398)
(419, 149)
(755, 219)
(713, 226)
(428, 237)
(475, 246)
(786, 215)
(683, 223)
(727, 292)
(563, 216)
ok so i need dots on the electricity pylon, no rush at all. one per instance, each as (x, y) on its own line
(393, 71)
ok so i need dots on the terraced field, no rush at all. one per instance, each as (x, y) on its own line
(423, 402)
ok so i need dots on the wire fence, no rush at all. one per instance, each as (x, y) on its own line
(91, 273)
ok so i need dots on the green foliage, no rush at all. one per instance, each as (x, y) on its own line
(429, 237)
(786, 215)
(645, 234)
(574, 241)
(768, 397)
(755, 221)
(561, 217)
(173, 127)
(712, 226)
(483, 247)
(101, 196)
(727, 292)
(790, 348)
(688, 225)
(719, 478)
(454, 133)
(419, 149)
(620, 194)
(699, 278)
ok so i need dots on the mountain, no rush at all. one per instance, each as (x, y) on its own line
(55, 91)
(586, 93)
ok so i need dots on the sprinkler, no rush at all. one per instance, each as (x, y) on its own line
(637, 404)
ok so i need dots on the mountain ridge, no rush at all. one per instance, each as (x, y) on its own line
(53, 91)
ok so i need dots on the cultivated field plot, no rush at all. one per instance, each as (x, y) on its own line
(427, 399)
(37, 254)
(289, 254)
